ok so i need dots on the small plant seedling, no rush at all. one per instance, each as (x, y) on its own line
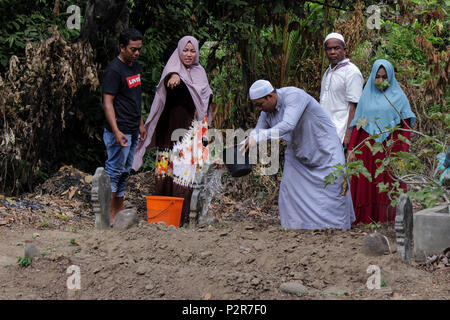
(359, 290)
(24, 262)
(44, 223)
(373, 226)
(62, 216)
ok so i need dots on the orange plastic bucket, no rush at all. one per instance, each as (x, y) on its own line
(164, 209)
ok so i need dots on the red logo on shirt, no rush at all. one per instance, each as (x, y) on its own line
(134, 81)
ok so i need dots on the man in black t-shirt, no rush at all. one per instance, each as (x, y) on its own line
(124, 124)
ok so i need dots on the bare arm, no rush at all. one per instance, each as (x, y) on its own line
(142, 131)
(351, 115)
(108, 105)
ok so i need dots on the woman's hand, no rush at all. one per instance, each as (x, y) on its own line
(174, 81)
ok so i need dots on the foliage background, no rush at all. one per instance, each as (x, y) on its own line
(243, 41)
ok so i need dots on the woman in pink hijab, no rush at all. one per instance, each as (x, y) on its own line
(182, 100)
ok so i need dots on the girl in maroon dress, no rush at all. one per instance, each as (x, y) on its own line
(381, 109)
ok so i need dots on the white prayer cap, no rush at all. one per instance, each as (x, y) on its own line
(334, 35)
(260, 89)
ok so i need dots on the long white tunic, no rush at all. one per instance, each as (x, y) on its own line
(313, 148)
(340, 86)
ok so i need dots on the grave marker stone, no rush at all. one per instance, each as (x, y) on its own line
(101, 199)
(208, 184)
(404, 228)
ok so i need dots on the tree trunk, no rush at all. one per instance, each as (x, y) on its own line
(103, 22)
(248, 75)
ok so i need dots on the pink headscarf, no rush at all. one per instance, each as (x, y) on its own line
(197, 83)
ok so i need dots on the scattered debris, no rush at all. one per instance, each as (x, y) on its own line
(437, 262)
(68, 183)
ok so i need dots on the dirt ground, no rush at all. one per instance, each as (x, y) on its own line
(246, 255)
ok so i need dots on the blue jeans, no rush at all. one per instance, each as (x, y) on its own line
(120, 160)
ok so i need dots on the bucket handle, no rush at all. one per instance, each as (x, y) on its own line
(160, 213)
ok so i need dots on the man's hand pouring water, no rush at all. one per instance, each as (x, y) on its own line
(249, 143)
(218, 164)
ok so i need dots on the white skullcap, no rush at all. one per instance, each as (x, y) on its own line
(334, 35)
(260, 89)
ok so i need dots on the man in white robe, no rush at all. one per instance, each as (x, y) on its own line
(341, 88)
(313, 148)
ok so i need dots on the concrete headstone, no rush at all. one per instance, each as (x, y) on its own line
(101, 199)
(404, 228)
(431, 231)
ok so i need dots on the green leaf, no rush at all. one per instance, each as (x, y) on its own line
(330, 179)
(404, 139)
(366, 173)
(369, 145)
(436, 115)
(427, 196)
(390, 142)
(11, 41)
(383, 187)
(15, 25)
(426, 153)
(24, 262)
(361, 122)
(379, 171)
(377, 147)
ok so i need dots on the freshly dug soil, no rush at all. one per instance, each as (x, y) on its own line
(244, 255)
